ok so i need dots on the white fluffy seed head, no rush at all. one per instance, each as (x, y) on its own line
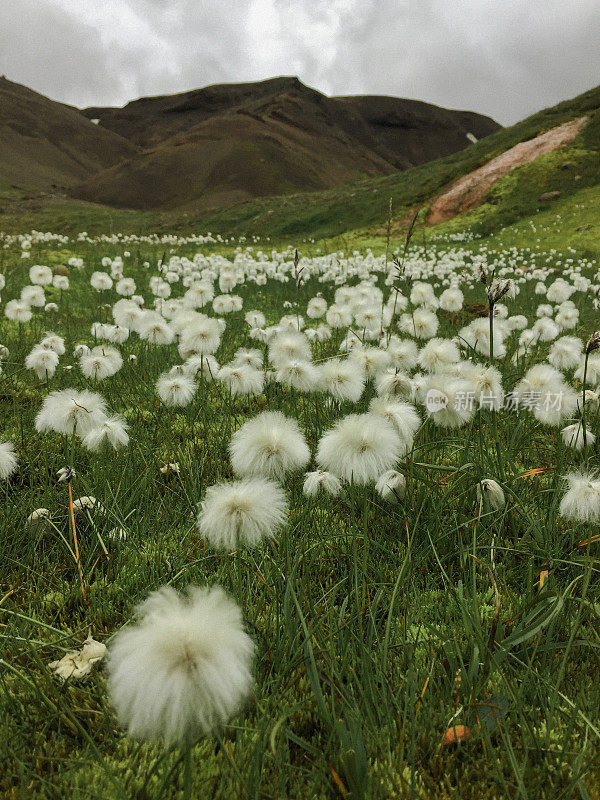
(343, 379)
(403, 416)
(489, 491)
(183, 668)
(111, 433)
(242, 513)
(573, 436)
(391, 485)
(581, 502)
(175, 389)
(70, 411)
(8, 460)
(359, 448)
(319, 480)
(269, 446)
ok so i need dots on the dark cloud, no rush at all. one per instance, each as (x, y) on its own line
(503, 59)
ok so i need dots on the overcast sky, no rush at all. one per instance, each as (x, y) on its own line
(504, 58)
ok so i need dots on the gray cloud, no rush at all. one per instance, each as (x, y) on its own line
(503, 59)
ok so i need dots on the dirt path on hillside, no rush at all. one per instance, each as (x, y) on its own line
(468, 192)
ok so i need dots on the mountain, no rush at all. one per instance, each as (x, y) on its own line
(222, 145)
(46, 145)
(572, 170)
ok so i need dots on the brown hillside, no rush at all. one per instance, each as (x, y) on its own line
(46, 145)
(224, 144)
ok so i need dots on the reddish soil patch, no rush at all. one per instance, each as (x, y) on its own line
(468, 192)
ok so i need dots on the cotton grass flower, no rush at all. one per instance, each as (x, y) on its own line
(111, 433)
(302, 376)
(320, 481)
(175, 389)
(581, 502)
(391, 485)
(573, 437)
(403, 416)
(17, 311)
(489, 491)
(438, 354)
(183, 668)
(40, 275)
(359, 448)
(448, 401)
(343, 379)
(566, 352)
(100, 363)
(70, 411)
(393, 383)
(240, 379)
(8, 460)
(42, 361)
(287, 347)
(270, 446)
(242, 513)
(422, 323)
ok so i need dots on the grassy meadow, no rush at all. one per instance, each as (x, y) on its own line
(380, 625)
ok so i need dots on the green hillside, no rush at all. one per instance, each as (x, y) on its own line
(360, 208)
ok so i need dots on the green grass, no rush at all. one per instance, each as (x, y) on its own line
(372, 621)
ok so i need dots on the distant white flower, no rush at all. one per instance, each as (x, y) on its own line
(170, 469)
(403, 353)
(300, 375)
(572, 436)
(289, 346)
(371, 360)
(17, 311)
(101, 362)
(320, 480)
(449, 401)
(175, 390)
(566, 352)
(422, 323)
(438, 354)
(40, 275)
(391, 485)
(112, 433)
(317, 306)
(581, 502)
(183, 668)
(101, 281)
(153, 328)
(38, 518)
(200, 337)
(8, 460)
(270, 445)
(393, 383)
(489, 491)
(239, 379)
(451, 299)
(255, 319)
(343, 379)
(70, 411)
(206, 367)
(125, 287)
(359, 448)
(242, 513)
(403, 416)
(42, 361)
(248, 358)
(87, 503)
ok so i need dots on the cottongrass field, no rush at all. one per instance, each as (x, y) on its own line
(298, 525)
